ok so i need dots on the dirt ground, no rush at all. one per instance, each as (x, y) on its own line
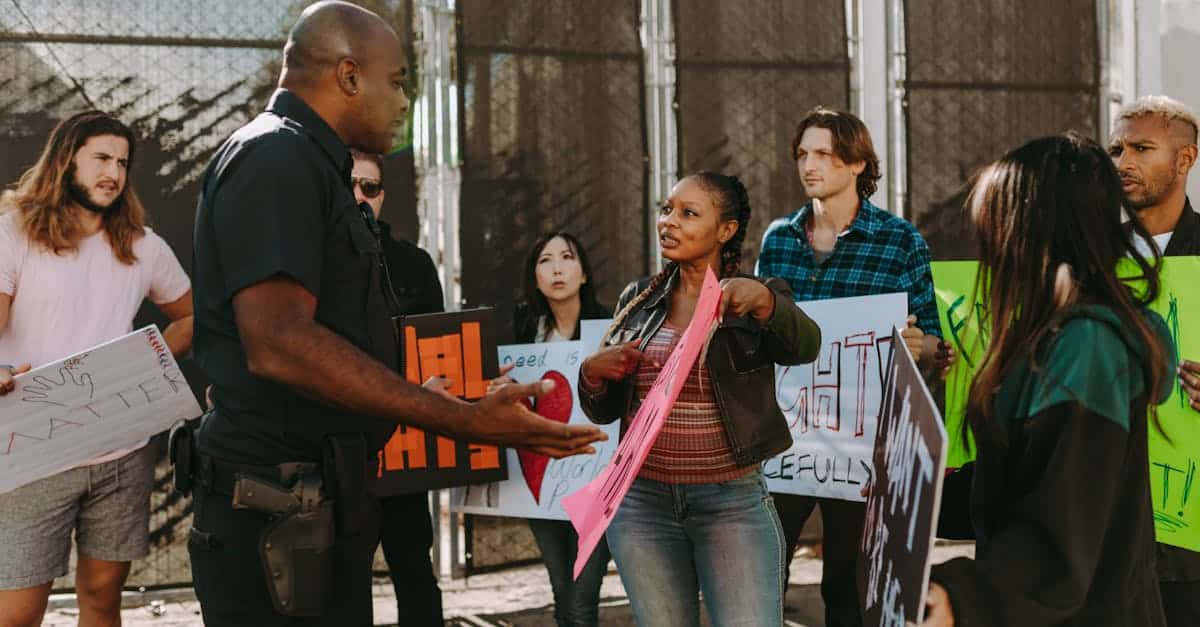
(515, 597)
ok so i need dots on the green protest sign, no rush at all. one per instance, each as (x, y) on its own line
(1173, 459)
(1174, 456)
(958, 312)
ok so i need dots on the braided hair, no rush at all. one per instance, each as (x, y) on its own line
(729, 194)
(620, 316)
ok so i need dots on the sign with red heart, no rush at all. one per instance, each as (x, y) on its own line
(537, 491)
(555, 405)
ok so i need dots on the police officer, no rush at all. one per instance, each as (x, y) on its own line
(293, 327)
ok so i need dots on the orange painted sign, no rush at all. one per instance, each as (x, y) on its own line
(460, 346)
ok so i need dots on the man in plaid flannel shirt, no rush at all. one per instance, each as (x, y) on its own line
(837, 245)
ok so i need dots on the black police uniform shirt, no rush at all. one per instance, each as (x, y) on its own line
(277, 201)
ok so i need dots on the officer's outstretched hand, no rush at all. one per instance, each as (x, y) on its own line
(506, 421)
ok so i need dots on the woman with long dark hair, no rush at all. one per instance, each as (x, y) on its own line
(559, 294)
(1061, 494)
(558, 291)
(698, 518)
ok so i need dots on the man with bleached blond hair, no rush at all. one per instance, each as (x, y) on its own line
(1153, 146)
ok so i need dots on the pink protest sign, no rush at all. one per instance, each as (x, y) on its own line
(593, 506)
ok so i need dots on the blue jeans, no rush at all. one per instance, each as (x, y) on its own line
(576, 603)
(724, 540)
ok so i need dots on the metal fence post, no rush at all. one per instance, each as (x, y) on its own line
(435, 142)
(897, 137)
(658, 43)
(436, 155)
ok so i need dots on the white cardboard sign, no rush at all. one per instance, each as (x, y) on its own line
(536, 484)
(99, 400)
(832, 405)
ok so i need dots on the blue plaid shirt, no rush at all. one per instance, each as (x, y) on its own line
(879, 254)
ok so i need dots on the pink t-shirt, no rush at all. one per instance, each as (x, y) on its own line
(63, 304)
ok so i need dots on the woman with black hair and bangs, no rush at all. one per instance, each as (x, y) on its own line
(558, 291)
(1060, 499)
(559, 294)
(698, 519)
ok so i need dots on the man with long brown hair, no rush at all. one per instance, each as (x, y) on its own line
(76, 262)
(841, 245)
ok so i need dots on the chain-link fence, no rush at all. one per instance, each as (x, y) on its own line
(747, 73)
(183, 75)
(553, 126)
(983, 77)
(553, 139)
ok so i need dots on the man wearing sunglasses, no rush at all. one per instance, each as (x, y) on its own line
(406, 529)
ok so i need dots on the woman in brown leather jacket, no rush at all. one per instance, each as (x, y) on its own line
(698, 518)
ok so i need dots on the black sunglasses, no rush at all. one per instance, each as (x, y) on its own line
(370, 187)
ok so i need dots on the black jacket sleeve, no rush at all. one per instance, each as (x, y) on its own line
(791, 336)
(1039, 560)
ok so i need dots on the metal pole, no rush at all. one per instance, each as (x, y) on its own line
(1106, 93)
(854, 55)
(435, 142)
(897, 124)
(658, 41)
(436, 155)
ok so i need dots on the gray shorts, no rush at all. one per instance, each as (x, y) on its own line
(106, 505)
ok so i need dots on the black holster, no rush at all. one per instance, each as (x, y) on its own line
(181, 449)
(297, 544)
(297, 554)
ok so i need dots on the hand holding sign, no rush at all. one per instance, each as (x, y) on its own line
(612, 363)
(746, 297)
(439, 385)
(938, 612)
(502, 380)
(7, 374)
(943, 359)
(1189, 379)
(914, 338)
